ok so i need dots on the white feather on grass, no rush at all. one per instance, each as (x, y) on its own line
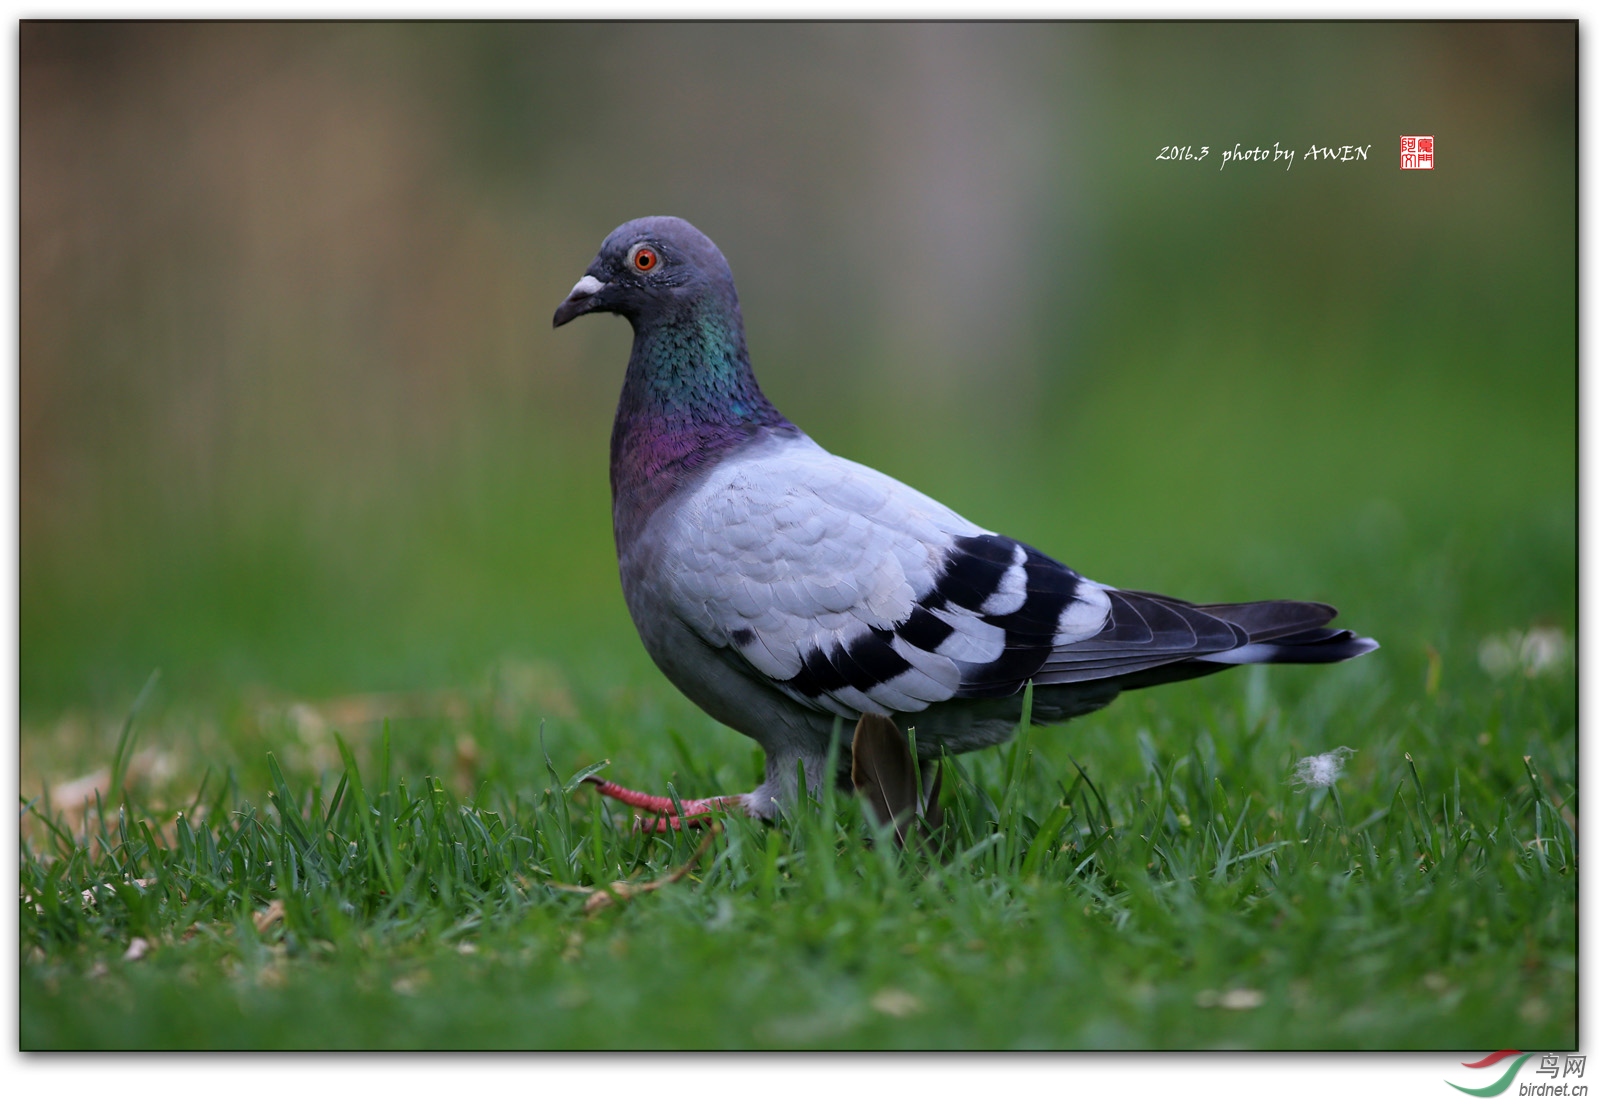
(1320, 771)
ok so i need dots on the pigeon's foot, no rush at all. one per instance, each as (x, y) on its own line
(696, 811)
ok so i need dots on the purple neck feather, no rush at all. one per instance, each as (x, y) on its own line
(688, 400)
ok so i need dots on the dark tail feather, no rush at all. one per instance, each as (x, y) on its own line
(1325, 644)
(1281, 631)
(1151, 639)
(1295, 630)
(1334, 646)
(1288, 631)
(1267, 621)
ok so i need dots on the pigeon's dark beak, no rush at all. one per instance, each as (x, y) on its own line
(582, 300)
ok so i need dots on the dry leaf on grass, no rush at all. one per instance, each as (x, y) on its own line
(269, 916)
(612, 893)
(1238, 998)
(78, 795)
(896, 1003)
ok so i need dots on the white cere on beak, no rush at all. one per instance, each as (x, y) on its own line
(585, 287)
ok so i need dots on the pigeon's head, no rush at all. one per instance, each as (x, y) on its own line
(648, 269)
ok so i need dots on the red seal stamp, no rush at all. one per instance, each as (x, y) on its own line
(1416, 152)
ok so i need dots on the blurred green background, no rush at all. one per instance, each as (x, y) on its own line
(293, 419)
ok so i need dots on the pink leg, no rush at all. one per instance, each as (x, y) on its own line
(696, 811)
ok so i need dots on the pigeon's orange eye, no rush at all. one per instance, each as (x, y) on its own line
(644, 259)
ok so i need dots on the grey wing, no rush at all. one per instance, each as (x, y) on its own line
(854, 593)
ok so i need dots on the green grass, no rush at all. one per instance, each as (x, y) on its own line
(1150, 877)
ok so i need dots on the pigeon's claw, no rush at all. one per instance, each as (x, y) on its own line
(696, 811)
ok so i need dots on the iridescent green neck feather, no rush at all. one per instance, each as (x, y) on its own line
(689, 398)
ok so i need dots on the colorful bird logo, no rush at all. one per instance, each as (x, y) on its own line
(1505, 1080)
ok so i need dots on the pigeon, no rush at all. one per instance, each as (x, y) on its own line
(782, 588)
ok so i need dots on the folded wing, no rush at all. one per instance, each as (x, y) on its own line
(854, 593)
